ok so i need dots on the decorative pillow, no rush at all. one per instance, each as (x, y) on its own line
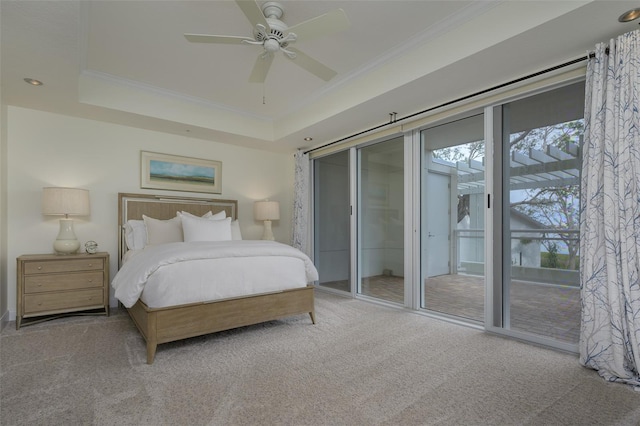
(199, 229)
(235, 230)
(163, 231)
(135, 234)
(208, 215)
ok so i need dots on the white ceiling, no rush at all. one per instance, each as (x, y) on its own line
(127, 62)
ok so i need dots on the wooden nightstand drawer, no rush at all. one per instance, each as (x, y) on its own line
(50, 286)
(80, 280)
(68, 265)
(59, 302)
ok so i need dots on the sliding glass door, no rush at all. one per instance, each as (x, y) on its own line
(332, 221)
(381, 220)
(494, 235)
(541, 164)
(452, 218)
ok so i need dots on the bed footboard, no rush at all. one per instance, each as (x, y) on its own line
(181, 322)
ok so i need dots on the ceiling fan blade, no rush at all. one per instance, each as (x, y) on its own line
(206, 38)
(253, 12)
(261, 69)
(329, 23)
(314, 67)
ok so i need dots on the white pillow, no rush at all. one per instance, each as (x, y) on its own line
(163, 231)
(199, 229)
(219, 216)
(208, 215)
(235, 230)
(135, 231)
(135, 234)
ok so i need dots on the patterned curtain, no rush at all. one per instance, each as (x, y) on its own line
(301, 203)
(610, 216)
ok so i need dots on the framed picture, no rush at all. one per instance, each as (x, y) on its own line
(177, 173)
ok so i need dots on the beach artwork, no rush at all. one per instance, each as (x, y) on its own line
(172, 172)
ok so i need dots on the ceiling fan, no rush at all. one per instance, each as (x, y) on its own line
(274, 35)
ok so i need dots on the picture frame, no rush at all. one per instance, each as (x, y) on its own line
(178, 173)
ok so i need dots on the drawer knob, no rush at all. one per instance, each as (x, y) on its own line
(39, 268)
(91, 264)
(91, 280)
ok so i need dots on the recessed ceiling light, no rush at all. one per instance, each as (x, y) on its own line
(630, 15)
(308, 139)
(33, 82)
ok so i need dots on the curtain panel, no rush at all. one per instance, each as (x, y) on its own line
(610, 215)
(301, 202)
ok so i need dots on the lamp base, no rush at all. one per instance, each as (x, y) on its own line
(268, 234)
(66, 246)
(66, 242)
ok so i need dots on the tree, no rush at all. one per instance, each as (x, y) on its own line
(464, 153)
(554, 207)
(557, 208)
(552, 259)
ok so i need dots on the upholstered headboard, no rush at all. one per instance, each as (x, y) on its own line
(133, 206)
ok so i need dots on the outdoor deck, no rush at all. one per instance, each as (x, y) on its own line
(542, 309)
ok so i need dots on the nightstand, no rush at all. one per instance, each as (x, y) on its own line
(50, 286)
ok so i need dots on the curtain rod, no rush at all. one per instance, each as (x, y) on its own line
(463, 98)
(593, 54)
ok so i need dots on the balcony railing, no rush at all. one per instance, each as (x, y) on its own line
(531, 259)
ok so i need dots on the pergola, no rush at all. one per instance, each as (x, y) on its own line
(536, 169)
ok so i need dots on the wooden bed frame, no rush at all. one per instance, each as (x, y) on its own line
(173, 323)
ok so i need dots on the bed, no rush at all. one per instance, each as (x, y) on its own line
(279, 292)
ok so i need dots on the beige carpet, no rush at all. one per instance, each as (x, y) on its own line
(550, 311)
(362, 364)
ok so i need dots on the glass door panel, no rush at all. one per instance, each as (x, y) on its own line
(452, 216)
(541, 163)
(381, 220)
(331, 220)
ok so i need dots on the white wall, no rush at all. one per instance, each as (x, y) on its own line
(382, 209)
(4, 317)
(46, 149)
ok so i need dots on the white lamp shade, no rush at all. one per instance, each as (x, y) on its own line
(266, 210)
(65, 201)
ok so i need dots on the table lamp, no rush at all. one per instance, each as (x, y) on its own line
(66, 202)
(267, 211)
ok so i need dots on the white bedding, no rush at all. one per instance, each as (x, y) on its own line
(179, 273)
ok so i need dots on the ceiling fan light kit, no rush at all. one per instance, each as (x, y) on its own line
(274, 35)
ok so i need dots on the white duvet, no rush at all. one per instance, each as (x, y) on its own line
(180, 273)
